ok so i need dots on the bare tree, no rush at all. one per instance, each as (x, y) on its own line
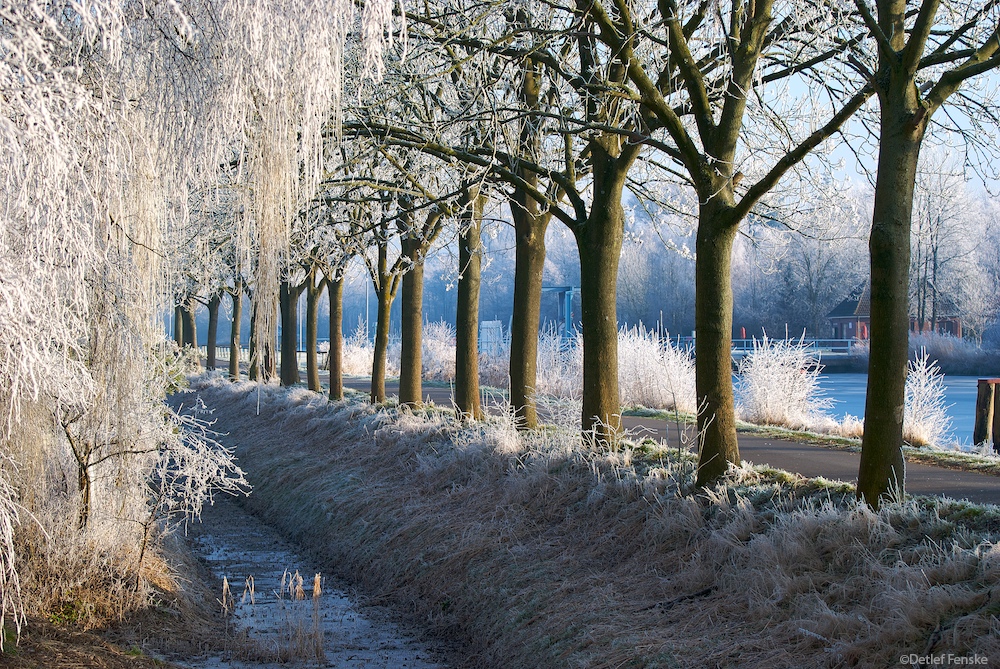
(924, 52)
(714, 65)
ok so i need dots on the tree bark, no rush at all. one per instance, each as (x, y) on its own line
(411, 324)
(190, 328)
(386, 284)
(262, 362)
(385, 297)
(335, 360)
(529, 264)
(882, 470)
(213, 329)
(599, 242)
(314, 289)
(179, 326)
(713, 342)
(234, 332)
(467, 400)
(289, 300)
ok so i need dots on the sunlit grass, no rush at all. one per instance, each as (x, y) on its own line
(538, 551)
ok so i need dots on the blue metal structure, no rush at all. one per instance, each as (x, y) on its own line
(566, 294)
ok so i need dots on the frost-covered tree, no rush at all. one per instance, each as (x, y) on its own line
(947, 228)
(793, 267)
(113, 114)
(919, 55)
(719, 82)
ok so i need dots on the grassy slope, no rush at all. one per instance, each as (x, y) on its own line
(537, 554)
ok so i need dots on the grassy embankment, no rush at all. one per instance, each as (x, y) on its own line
(537, 553)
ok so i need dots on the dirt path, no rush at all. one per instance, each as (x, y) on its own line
(274, 628)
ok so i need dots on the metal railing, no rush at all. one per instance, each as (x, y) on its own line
(742, 347)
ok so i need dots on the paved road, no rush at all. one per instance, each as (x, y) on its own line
(807, 459)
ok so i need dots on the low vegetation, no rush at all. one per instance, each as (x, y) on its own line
(777, 383)
(539, 553)
(96, 509)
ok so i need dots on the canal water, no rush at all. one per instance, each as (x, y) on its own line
(847, 391)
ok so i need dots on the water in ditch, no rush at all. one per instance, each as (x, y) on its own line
(276, 615)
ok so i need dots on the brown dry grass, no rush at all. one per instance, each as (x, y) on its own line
(87, 614)
(47, 646)
(540, 554)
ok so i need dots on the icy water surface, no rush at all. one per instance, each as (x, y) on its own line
(276, 620)
(848, 394)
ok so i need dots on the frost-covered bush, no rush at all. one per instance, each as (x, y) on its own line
(90, 554)
(953, 354)
(941, 346)
(560, 365)
(438, 356)
(925, 416)
(779, 385)
(438, 352)
(653, 372)
(494, 366)
(359, 353)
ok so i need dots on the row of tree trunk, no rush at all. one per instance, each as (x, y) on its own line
(387, 282)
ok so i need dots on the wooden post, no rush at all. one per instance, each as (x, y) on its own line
(996, 421)
(985, 415)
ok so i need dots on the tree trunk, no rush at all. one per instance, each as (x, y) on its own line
(262, 362)
(234, 332)
(882, 469)
(314, 289)
(335, 359)
(84, 486)
(385, 296)
(529, 264)
(599, 242)
(934, 291)
(714, 341)
(467, 399)
(190, 328)
(179, 326)
(213, 329)
(530, 224)
(385, 292)
(411, 325)
(289, 300)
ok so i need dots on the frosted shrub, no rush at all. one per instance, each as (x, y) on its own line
(560, 365)
(358, 353)
(779, 385)
(103, 568)
(439, 351)
(925, 416)
(957, 355)
(651, 373)
(851, 427)
(654, 373)
(494, 366)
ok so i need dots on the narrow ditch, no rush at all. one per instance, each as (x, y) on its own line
(274, 615)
